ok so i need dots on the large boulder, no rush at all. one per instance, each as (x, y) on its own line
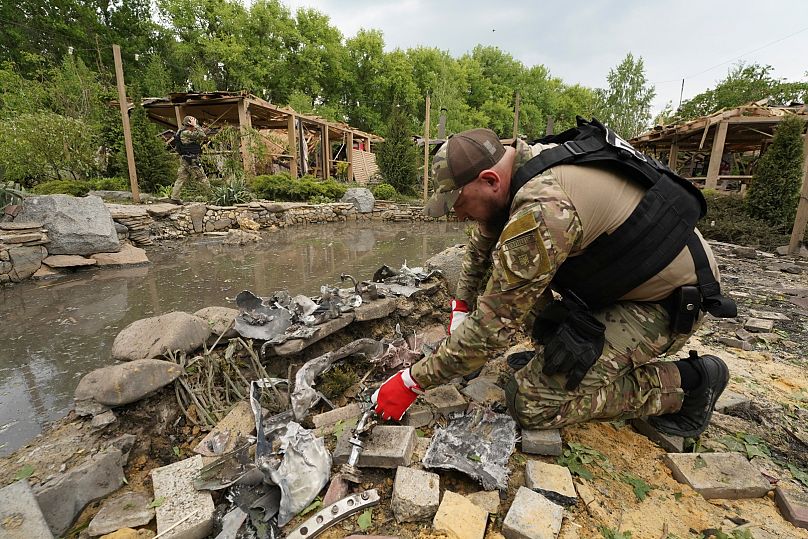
(155, 336)
(76, 225)
(361, 198)
(127, 382)
(450, 262)
(25, 261)
(220, 319)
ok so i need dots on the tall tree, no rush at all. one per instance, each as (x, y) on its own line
(774, 193)
(625, 105)
(398, 155)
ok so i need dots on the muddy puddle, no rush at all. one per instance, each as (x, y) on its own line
(53, 332)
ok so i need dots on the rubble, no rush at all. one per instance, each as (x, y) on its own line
(445, 399)
(542, 442)
(389, 446)
(718, 475)
(182, 511)
(484, 391)
(20, 516)
(129, 510)
(416, 495)
(532, 516)
(792, 500)
(759, 325)
(551, 481)
(487, 499)
(459, 518)
(237, 424)
(668, 442)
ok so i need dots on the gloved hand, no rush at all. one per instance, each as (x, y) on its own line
(574, 347)
(396, 395)
(460, 311)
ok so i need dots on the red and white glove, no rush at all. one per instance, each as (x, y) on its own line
(460, 311)
(396, 395)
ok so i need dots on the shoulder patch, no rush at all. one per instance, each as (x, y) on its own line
(522, 253)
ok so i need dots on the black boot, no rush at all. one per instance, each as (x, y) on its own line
(694, 416)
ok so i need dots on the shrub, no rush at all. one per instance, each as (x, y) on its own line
(232, 192)
(109, 184)
(774, 193)
(727, 221)
(385, 191)
(77, 188)
(397, 156)
(307, 189)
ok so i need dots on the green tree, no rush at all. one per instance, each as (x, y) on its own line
(154, 164)
(625, 105)
(397, 157)
(774, 193)
(743, 84)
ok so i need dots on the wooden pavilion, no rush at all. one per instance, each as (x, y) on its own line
(305, 135)
(728, 143)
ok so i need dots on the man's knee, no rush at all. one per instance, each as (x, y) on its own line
(530, 413)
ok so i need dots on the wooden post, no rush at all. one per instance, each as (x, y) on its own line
(715, 156)
(367, 144)
(516, 117)
(673, 155)
(326, 143)
(801, 219)
(127, 134)
(349, 153)
(292, 134)
(426, 149)
(179, 114)
(245, 125)
(550, 126)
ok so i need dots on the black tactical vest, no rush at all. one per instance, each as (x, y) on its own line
(661, 225)
(190, 149)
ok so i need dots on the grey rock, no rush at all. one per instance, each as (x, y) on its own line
(362, 199)
(735, 343)
(26, 261)
(484, 391)
(730, 401)
(126, 382)
(416, 495)
(220, 320)
(486, 499)
(792, 500)
(19, 224)
(76, 225)
(102, 420)
(129, 510)
(450, 263)
(758, 325)
(389, 446)
(64, 498)
(417, 416)
(745, 252)
(668, 442)
(129, 256)
(123, 443)
(197, 213)
(532, 516)
(89, 407)
(68, 261)
(446, 399)
(20, 515)
(153, 337)
(376, 309)
(554, 482)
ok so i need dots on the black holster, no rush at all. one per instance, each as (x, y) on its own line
(683, 307)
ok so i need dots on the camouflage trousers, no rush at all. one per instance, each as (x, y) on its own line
(189, 169)
(624, 383)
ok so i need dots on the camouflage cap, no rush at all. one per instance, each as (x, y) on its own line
(188, 121)
(457, 163)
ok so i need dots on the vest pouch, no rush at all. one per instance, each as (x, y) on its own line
(685, 304)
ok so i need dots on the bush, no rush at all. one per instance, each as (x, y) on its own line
(774, 193)
(307, 189)
(727, 221)
(397, 156)
(230, 193)
(79, 188)
(385, 191)
(109, 184)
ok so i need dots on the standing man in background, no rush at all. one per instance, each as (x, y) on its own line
(189, 142)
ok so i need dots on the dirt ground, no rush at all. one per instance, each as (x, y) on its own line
(773, 375)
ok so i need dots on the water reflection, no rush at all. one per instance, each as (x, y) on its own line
(54, 332)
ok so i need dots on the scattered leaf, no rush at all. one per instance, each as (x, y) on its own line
(419, 433)
(24, 473)
(339, 428)
(177, 451)
(609, 533)
(641, 488)
(699, 463)
(519, 459)
(157, 502)
(365, 520)
(677, 496)
(798, 474)
(473, 456)
(316, 504)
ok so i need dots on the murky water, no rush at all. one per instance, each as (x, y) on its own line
(52, 333)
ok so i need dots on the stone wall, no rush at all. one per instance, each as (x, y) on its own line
(22, 249)
(199, 218)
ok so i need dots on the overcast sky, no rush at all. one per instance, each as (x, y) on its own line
(580, 41)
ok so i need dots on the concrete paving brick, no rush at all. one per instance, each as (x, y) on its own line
(421, 447)
(323, 330)
(758, 325)
(792, 500)
(332, 417)
(668, 442)
(551, 480)
(129, 510)
(487, 499)
(735, 343)
(542, 442)
(532, 516)
(767, 315)
(446, 399)
(460, 518)
(375, 309)
(174, 485)
(239, 422)
(416, 495)
(718, 475)
(20, 516)
(388, 446)
(729, 401)
(484, 391)
(417, 416)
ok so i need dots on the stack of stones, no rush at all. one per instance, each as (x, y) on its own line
(136, 219)
(21, 243)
